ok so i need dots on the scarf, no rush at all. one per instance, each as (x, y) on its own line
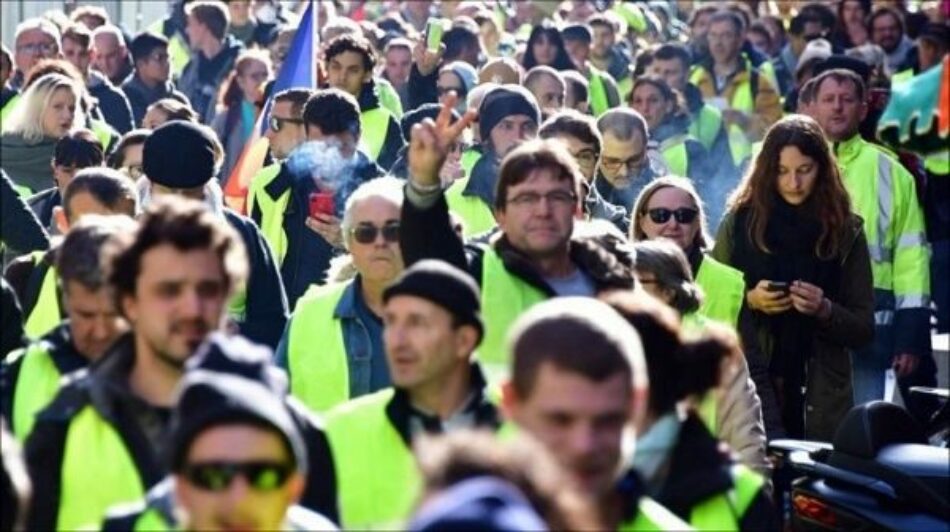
(28, 164)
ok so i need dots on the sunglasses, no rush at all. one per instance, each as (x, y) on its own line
(366, 233)
(683, 215)
(218, 476)
(276, 123)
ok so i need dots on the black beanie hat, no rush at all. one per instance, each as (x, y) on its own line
(446, 286)
(417, 115)
(846, 63)
(505, 101)
(179, 154)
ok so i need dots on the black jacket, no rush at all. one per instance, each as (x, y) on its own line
(19, 229)
(26, 278)
(42, 204)
(11, 321)
(113, 104)
(202, 77)
(140, 96)
(369, 100)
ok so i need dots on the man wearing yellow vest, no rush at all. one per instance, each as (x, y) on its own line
(508, 116)
(31, 376)
(884, 194)
(533, 257)
(602, 89)
(172, 27)
(171, 280)
(432, 326)
(747, 99)
(350, 62)
(578, 380)
(609, 58)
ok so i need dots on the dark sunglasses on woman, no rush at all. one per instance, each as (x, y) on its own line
(366, 233)
(683, 215)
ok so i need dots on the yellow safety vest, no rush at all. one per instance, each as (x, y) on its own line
(179, 52)
(470, 158)
(45, 315)
(478, 216)
(742, 100)
(652, 516)
(104, 133)
(724, 511)
(674, 154)
(706, 125)
(504, 298)
(597, 93)
(378, 481)
(97, 472)
(36, 385)
(724, 290)
(316, 352)
(9, 107)
(272, 210)
(902, 76)
(389, 98)
(375, 125)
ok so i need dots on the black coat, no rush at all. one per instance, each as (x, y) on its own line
(19, 228)
(113, 104)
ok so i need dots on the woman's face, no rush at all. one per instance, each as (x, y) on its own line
(252, 80)
(796, 175)
(649, 102)
(666, 215)
(544, 50)
(59, 114)
(154, 117)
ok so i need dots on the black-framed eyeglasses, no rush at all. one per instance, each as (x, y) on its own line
(632, 163)
(559, 198)
(586, 157)
(683, 215)
(367, 233)
(218, 476)
(276, 123)
(35, 48)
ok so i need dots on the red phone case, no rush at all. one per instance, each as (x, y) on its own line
(321, 203)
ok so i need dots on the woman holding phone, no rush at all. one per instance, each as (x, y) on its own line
(789, 228)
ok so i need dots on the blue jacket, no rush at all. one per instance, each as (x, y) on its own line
(113, 104)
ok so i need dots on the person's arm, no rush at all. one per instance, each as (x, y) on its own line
(739, 418)
(19, 229)
(424, 75)
(266, 310)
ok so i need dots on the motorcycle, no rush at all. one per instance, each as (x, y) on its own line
(882, 471)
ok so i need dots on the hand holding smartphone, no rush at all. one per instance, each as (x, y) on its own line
(321, 203)
(778, 286)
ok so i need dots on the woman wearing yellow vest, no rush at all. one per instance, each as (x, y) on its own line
(680, 461)
(332, 348)
(668, 120)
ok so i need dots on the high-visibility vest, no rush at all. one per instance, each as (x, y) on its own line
(9, 107)
(705, 125)
(375, 125)
(651, 516)
(674, 154)
(45, 314)
(504, 298)
(724, 290)
(470, 158)
(902, 76)
(179, 53)
(36, 385)
(742, 100)
(883, 193)
(378, 481)
(319, 376)
(104, 133)
(389, 98)
(724, 511)
(597, 93)
(476, 215)
(98, 472)
(272, 210)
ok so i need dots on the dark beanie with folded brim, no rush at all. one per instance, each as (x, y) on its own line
(505, 101)
(179, 155)
(445, 285)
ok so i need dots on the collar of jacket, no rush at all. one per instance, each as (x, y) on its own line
(110, 375)
(739, 75)
(280, 184)
(673, 125)
(369, 97)
(62, 350)
(481, 184)
(846, 151)
(346, 307)
(136, 84)
(699, 468)
(399, 411)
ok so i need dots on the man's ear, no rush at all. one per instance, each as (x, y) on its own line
(59, 216)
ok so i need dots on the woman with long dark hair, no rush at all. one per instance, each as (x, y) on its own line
(790, 230)
(546, 47)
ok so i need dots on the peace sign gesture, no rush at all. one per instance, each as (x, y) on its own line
(430, 141)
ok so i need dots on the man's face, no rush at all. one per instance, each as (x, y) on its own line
(76, 54)
(291, 134)
(578, 50)
(649, 102)
(422, 346)
(538, 216)
(6, 68)
(760, 42)
(108, 55)
(239, 505)
(838, 109)
(94, 323)
(673, 71)
(379, 261)
(603, 40)
(724, 41)
(398, 65)
(581, 422)
(549, 93)
(155, 68)
(179, 298)
(886, 32)
(584, 153)
(31, 47)
(852, 12)
(511, 132)
(623, 160)
(240, 11)
(345, 71)
(670, 199)
(196, 32)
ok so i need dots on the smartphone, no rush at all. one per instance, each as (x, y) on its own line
(434, 34)
(321, 203)
(776, 286)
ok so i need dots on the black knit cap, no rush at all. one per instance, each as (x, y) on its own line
(846, 63)
(417, 115)
(208, 398)
(446, 286)
(505, 101)
(179, 154)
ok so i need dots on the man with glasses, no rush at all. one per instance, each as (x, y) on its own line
(625, 164)
(36, 39)
(150, 81)
(579, 133)
(534, 256)
(345, 316)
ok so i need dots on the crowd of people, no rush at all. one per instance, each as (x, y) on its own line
(506, 265)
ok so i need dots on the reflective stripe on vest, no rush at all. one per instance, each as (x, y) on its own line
(97, 472)
(504, 297)
(36, 385)
(45, 314)
(706, 125)
(724, 290)
(272, 211)
(375, 125)
(316, 352)
(470, 158)
(377, 479)
(597, 94)
(724, 511)
(674, 154)
(651, 515)
(476, 215)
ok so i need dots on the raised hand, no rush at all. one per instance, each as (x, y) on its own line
(430, 142)
(426, 60)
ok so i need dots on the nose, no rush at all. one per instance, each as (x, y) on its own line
(237, 491)
(582, 440)
(191, 304)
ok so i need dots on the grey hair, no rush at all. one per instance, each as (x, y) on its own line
(667, 262)
(110, 29)
(42, 24)
(622, 122)
(388, 188)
